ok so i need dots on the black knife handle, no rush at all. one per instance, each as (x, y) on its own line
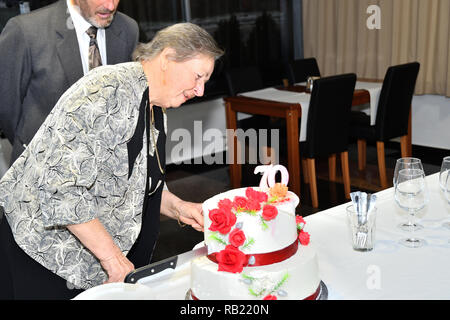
(151, 269)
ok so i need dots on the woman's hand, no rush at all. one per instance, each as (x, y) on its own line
(117, 267)
(94, 237)
(190, 213)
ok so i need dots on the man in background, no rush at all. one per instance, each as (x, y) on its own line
(43, 53)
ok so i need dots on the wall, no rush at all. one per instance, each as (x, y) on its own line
(431, 121)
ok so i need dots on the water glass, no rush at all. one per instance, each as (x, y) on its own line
(406, 163)
(445, 168)
(362, 228)
(411, 194)
(447, 196)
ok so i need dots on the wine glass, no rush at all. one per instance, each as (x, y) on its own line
(443, 174)
(407, 163)
(447, 196)
(445, 167)
(411, 195)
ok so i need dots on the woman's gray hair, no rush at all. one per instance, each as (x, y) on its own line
(187, 39)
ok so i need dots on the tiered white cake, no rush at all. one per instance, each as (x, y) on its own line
(257, 248)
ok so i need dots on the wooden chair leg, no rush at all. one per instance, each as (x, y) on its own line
(345, 173)
(312, 182)
(332, 166)
(382, 164)
(362, 146)
(305, 171)
(404, 146)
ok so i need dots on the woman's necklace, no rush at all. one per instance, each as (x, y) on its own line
(152, 122)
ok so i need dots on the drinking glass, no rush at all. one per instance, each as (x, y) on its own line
(447, 196)
(411, 195)
(445, 167)
(407, 163)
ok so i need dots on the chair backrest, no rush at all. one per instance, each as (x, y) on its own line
(299, 70)
(274, 73)
(395, 101)
(329, 115)
(243, 79)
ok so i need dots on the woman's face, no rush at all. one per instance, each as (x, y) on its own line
(185, 80)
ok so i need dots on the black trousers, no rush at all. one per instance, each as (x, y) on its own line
(23, 278)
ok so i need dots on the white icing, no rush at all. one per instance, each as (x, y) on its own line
(302, 269)
(208, 283)
(281, 231)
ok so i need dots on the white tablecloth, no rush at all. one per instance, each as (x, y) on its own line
(374, 89)
(390, 271)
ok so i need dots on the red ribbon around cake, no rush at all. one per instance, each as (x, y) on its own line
(262, 259)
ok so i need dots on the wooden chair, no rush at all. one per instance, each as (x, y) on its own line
(392, 117)
(328, 128)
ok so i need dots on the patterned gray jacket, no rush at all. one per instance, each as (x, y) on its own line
(76, 169)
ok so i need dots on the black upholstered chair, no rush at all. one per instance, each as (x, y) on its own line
(299, 70)
(275, 74)
(328, 128)
(243, 79)
(392, 117)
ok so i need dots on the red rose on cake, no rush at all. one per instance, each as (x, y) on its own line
(231, 259)
(303, 237)
(236, 238)
(253, 205)
(225, 204)
(240, 203)
(300, 222)
(269, 212)
(256, 195)
(222, 220)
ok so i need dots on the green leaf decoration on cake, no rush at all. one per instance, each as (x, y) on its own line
(248, 243)
(279, 284)
(264, 224)
(216, 237)
(259, 287)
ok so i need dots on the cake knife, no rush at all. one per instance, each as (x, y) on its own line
(172, 262)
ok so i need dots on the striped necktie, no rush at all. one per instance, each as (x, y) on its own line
(95, 59)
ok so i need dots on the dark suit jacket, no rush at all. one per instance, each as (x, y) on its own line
(40, 60)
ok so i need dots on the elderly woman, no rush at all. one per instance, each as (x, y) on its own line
(82, 202)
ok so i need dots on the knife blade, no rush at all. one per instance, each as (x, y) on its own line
(171, 262)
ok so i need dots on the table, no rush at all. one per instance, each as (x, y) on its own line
(291, 112)
(389, 271)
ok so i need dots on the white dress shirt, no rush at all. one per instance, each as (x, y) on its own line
(81, 26)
